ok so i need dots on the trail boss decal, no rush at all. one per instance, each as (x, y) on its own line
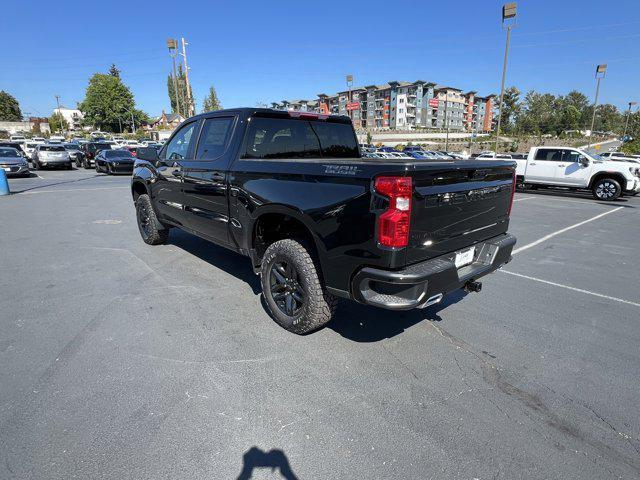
(341, 169)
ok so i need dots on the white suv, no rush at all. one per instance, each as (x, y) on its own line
(575, 168)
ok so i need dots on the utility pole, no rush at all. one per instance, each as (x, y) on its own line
(601, 71)
(186, 77)
(626, 123)
(508, 12)
(172, 45)
(133, 124)
(60, 117)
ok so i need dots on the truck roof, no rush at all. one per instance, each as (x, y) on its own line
(247, 112)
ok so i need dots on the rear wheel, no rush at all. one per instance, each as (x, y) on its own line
(606, 189)
(153, 232)
(292, 288)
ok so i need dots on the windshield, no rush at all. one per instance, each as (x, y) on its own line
(8, 152)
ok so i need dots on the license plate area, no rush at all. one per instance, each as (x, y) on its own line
(464, 257)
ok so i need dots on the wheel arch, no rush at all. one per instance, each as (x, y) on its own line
(618, 176)
(276, 222)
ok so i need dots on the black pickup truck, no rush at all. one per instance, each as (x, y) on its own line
(291, 191)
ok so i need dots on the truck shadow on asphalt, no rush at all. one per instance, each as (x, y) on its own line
(275, 459)
(357, 322)
(365, 324)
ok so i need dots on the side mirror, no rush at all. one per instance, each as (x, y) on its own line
(147, 153)
(584, 161)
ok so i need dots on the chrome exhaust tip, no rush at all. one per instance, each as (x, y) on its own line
(432, 300)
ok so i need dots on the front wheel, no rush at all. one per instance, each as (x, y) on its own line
(292, 288)
(153, 232)
(606, 189)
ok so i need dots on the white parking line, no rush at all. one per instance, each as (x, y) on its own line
(522, 199)
(551, 235)
(72, 190)
(580, 290)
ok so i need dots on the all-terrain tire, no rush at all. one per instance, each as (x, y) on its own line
(152, 231)
(317, 306)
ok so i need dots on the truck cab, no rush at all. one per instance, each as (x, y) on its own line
(575, 168)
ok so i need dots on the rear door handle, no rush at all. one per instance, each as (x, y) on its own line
(532, 164)
(561, 165)
(177, 173)
(217, 177)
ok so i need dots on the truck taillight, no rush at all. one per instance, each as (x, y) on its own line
(513, 192)
(394, 223)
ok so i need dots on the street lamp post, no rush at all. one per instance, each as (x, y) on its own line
(349, 85)
(172, 45)
(601, 71)
(626, 123)
(446, 122)
(508, 13)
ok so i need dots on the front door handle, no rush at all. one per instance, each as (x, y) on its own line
(177, 173)
(561, 165)
(532, 164)
(217, 177)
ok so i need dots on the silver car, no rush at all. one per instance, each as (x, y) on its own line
(51, 155)
(13, 163)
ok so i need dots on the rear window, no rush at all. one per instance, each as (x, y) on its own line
(117, 153)
(52, 148)
(273, 138)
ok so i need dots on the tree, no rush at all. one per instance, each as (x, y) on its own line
(211, 102)
(182, 93)
(510, 109)
(9, 108)
(608, 119)
(113, 71)
(109, 104)
(57, 123)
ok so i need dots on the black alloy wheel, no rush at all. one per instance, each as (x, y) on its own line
(285, 288)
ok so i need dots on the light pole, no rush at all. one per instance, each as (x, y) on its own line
(349, 85)
(601, 71)
(172, 45)
(626, 124)
(508, 13)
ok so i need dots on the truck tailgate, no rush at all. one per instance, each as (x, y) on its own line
(457, 204)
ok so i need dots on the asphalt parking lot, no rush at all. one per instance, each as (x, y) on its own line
(121, 360)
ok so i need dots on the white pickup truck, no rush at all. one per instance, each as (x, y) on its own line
(574, 168)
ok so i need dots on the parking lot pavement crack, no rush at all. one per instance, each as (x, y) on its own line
(493, 376)
(400, 362)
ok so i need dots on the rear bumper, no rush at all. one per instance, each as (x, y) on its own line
(415, 286)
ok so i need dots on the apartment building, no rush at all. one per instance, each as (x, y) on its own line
(73, 116)
(399, 105)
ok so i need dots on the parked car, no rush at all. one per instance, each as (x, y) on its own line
(133, 150)
(17, 145)
(38, 139)
(114, 161)
(57, 139)
(412, 148)
(620, 157)
(51, 155)
(291, 191)
(575, 168)
(505, 156)
(13, 163)
(75, 153)
(422, 155)
(90, 150)
(29, 147)
(18, 138)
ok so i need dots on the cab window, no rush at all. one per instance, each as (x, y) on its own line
(178, 147)
(549, 154)
(214, 137)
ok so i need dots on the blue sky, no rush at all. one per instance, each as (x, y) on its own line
(269, 50)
